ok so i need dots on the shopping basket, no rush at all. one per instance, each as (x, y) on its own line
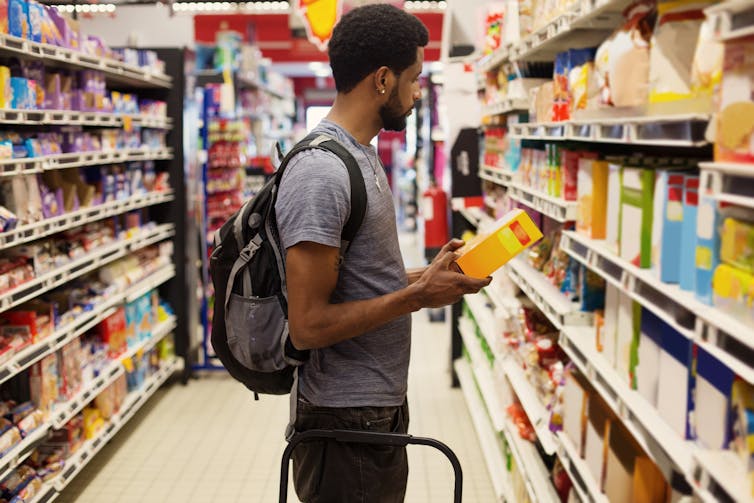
(367, 437)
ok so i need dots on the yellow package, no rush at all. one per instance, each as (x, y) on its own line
(486, 253)
(737, 244)
(6, 92)
(733, 292)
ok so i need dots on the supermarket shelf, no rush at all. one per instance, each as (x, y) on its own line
(546, 296)
(81, 266)
(159, 332)
(482, 374)
(731, 340)
(488, 440)
(537, 478)
(82, 324)
(13, 167)
(660, 441)
(475, 216)
(583, 482)
(505, 106)
(131, 404)
(500, 176)
(22, 451)
(554, 207)
(74, 118)
(76, 404)
(482, 314)
(31, 232)
(535, 409)
(728, 182)
(588, 24)
(721, 476)
(732, 19)
(663, 130)
(115, 71)
(252, 82)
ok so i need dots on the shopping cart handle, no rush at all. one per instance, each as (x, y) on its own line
(367, 437)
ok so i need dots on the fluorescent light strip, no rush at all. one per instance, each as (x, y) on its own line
(104, 8)
(425, 6)
(279, 6)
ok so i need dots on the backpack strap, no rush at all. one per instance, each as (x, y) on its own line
(356, 179)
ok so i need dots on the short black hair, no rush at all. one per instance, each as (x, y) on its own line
(370, 37)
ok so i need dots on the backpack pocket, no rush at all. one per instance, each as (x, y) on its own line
(257, 330)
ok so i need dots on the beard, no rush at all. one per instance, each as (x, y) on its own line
(392, 115)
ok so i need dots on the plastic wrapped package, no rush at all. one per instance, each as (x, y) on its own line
(622, 61)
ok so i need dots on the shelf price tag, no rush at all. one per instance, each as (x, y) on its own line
(128, 124)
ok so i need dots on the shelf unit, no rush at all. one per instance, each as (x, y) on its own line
(167, 210)
(133, 402)
(712, 475)
(116, 72)
(726, 337)
(505, 106)
(538, 483)
(662, 130)
(64, 412)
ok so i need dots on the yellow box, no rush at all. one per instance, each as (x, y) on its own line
(484, 254)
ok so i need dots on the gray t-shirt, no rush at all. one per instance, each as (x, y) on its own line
(314, 203)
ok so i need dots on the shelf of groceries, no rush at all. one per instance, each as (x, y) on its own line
(84, 264)
(499, 369)
(56, 55)
(32, 165)
(64, 412)
(52, 488)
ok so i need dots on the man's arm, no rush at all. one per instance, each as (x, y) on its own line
(415, 273)
(312, 273)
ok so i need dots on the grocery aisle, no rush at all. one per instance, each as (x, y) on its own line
(209, 441)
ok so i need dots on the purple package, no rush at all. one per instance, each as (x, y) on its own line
(52, 201)
(53, 92)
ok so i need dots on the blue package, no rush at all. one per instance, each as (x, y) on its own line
(18, 18)
(36, 14)
(707, 252)
(20, 88)
(688, 233)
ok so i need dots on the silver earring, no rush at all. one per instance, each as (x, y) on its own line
(381, 91)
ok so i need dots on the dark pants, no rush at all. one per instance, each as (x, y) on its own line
(334, 472)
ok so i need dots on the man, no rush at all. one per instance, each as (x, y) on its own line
(354, 316)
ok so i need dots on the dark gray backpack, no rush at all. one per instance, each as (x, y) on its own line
(250, 322)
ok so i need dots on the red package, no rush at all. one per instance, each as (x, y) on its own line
(112, 332)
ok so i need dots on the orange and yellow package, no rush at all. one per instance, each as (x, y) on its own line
(484, 254)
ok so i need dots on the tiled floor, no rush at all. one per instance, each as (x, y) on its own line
(211, 442)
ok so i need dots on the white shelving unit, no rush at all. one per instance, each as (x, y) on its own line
(538, 483)
(546, 296)
(665, 130)
(115, 71)
(505, 106)
(713, 475)
(74, 118)
(133, 402)
(728, 182)
(704, 324)
(732, 19)
(488, 439)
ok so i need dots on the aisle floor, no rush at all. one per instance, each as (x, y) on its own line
(210, 441)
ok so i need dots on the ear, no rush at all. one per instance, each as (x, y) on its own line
(383, 80)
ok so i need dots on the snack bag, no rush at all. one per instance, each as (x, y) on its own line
(677, 49)
(622, 61)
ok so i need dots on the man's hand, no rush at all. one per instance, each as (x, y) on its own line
(442, 283)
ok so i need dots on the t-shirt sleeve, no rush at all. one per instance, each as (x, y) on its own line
(314, 199)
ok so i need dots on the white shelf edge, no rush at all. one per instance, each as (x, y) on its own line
(558, 309)
(112, 68)
(726, 470)
(488, 441)
(535, 409)
(554, 207)
(633, 278)
(31, 232)
(133, 401)
(83, 265)
(538, 482)
(656, 437)
(578, 470)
